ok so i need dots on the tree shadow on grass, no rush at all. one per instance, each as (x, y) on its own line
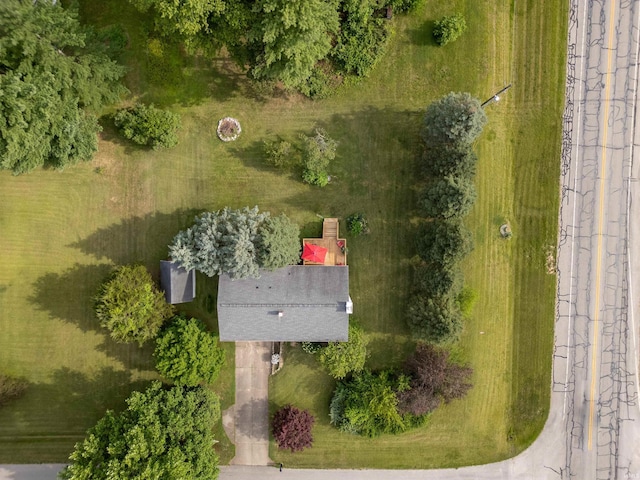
(423, 36)
(142, 240)
(69, 296)
(56, 414)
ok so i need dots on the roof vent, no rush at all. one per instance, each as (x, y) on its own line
(349, 305)
(280, 314)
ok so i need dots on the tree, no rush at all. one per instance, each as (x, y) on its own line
(148, 125)
(457, 118)
(442, 159)
(279, 153)
(342, 358)
(11, 388)
(55, 76)
(363, 37)
(434, 378)
(449, 29)
(278, 243)
(318, 152)
(448, 197)
(187, 354)
(292, 428)
(237, 242)
(367, 404)
(130, 306)
(434, 319)
(163, 433)
(438, 280)
(221, 242)
(290, 37)
(444, 242)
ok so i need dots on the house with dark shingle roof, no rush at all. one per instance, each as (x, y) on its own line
(296, 303)
(179, 285)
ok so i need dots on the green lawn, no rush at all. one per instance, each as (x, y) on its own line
(61, 232)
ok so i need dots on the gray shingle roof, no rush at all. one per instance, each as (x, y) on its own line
(179, 285)
(312, 300)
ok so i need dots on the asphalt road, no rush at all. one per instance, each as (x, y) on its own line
(593, 429)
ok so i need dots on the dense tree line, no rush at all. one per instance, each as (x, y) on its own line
(55, 76)
(448, 166)
(301, 43)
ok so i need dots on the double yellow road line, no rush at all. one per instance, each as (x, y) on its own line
(596, 314)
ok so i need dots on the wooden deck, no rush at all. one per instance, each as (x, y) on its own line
(336, 247)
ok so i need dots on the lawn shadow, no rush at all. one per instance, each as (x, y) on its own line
(142, 240)
(60, 411)
(69, 296)
(423, 36)
(111, 134)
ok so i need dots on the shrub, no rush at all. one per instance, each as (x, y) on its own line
(311, 347)
(342, 358)
(466, 300)
(455, 119)
(357, 224)
(449, 29)
(279, 153)
(433, 379)
(292, 428)
(130, 306)
(434, 319)
(318, 152)
(367, 404)
(11, 388)
(444, 242)
(438, 280)
(441, 160)
(187, 354)
(448, 197)
(363, 38)
(148, 125)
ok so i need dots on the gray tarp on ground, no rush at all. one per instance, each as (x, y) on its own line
(295, 303)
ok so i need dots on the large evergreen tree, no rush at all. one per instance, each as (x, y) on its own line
(163, 434)
(456, 118)
(54, 76)
(236, 242)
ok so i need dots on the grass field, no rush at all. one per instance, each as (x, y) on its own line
(61, 232)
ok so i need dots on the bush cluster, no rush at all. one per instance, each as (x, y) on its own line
(313, 155)
(448, 167)
(148, 125)
(449, 29)
(357, 224)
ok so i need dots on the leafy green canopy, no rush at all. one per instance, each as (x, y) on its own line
(341, 358)
(291, 36)
(434, 319)
(130, 306)
(237, 242)
(187, 354)
(317, 152)
(163, 434)
(367, 404)
(53, 74)
(449, 29)
(148, 125)
(444, 242)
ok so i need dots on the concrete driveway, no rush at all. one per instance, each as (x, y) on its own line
(247, 422)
